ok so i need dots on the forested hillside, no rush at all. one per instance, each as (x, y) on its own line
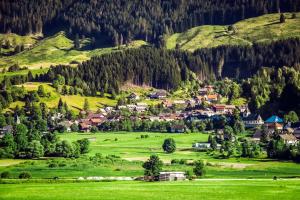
(166, 69)
(123, 21)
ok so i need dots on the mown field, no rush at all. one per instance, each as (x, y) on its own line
(263, 29)
(124, 153)
(188, 190)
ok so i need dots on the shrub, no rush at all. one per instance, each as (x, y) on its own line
(169, 145)
(62, 164)
(52, 165)
(25, 175)
(183, 161)
(175, 161)
(199, 169)
(5, 174)
(94, 129)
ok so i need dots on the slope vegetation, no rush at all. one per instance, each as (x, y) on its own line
(263, 29)
(58, 49)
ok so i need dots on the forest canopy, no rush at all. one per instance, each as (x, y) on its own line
(123, 20)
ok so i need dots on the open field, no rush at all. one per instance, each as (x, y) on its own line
(58, 49)
(124, 153)
(189, 190)
(75, 102)
(263, 29)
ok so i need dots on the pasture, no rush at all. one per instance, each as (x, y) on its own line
(122, 154)
(189, 190)
(263, 29)
(75, 102)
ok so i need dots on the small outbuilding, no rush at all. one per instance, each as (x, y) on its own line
(172, 176)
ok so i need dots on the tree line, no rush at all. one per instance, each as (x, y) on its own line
(121, 21)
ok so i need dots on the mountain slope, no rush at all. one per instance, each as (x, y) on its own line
(265, 29)
(58, 49)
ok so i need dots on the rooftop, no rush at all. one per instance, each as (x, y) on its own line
(274, 119)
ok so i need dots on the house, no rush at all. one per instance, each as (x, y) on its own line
(229, 108)
(259, 133)
(177, 128)
(85, 126)
(219, 108)
(274, 122)
(252, 120)
(203, 91)
(172, 176)
(167, 103)
(179, 102)
(67, 125)
(133, 96)
(140, 109)
(161, 94)
(201, 146)
(212, 98)
(288, 139)
(296, 133)
(6, 129)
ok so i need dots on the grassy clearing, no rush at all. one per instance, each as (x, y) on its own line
(75, 102)
(59, 49)
(264, 29)
(209, 190)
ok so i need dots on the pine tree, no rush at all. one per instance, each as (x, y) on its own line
(86, 105)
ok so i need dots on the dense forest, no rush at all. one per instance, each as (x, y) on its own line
(165, 69)
(122, 21)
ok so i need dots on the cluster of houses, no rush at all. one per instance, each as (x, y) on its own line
(289, 133)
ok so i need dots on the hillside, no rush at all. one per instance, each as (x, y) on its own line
(123, 21)
(57, 49)
(263, 29)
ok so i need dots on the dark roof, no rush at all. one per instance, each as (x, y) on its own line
(251, 117)
(295, 125)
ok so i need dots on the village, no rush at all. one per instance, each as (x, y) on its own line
(176, 116)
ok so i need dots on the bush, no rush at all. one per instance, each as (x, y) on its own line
(62, 164)
(175, 161)
(199, 169)
(25, 175)
(183, 162)
(94, 129)
(169, 145)
(5, 174)
(53, 165)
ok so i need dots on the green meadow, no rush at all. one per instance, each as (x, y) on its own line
(75, 102)
(122, 154)
(57, 49)
(263, 29)
(188, 190)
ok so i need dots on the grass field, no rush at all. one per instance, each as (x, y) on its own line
(58, 49)
(264, 29)
(75, 102)
(188, 190)
(124, 153)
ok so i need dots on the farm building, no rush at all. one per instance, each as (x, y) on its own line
(171, 176)
(201, 146)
